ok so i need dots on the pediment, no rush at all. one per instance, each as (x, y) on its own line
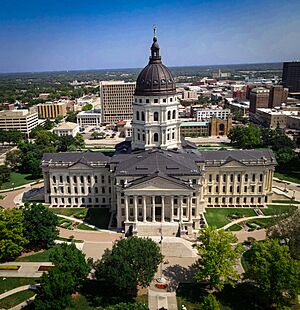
(233, 163)
(159, 184)
(80, 166)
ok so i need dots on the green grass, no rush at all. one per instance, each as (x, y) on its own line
(79, 302)
(69, 211)
(15, 299)
(2, 197)
(18, 179)
(234, 227)
(263, 223)
(291, 177)
(278, 209)
(7, 284)
(9, 267)
(84, 227)
(42, 256)
(69, 240)
(219, 217)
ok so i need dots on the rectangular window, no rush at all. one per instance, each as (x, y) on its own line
(82, 190)
(123, 211)
(224, 177)
(253, 177)
(209, 199)
(68, 179)
(96, 190)
(210, 178)
(175, 211)
(209, 189)
(102, 178)
(96, 179)
(89, 189)
(217, 178)
(252, 189)
(231, 178)
(60, 179)
(75, 190)
(103, 190)
(184, 211)
(217, 189)
(89, 179)
(81, 179)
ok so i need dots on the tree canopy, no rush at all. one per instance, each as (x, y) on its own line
(131, 262)
(40, 226)
(218, 256)
(12, 240)
(274, 271)
(87, 107)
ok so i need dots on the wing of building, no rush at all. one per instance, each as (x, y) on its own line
(158, 183)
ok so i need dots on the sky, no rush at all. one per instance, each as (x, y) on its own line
(49, 35)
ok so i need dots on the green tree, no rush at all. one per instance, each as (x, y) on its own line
(48, 125)
(4, 174)
(13, 159)
(40, 226)
(285, 229)
(274, 271)
(12, 240)
(210, 303)
(245, 137)
(71, 117)
(45, 138)
(131, 262)
(79, 141)
(87, 107)
(58, 119)
(218, 257)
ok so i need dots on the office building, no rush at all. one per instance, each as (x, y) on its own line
(52, 109)
(89, 118)
(116, 98)
(259, 98)
(291, 77)
(206, 114)
(22, 120)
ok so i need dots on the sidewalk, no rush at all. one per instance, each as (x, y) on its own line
(243, 219)
(19, 289)
(27, 269)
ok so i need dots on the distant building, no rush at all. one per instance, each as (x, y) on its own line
(206, 114)
(189, 95)
(259, 98)
(52, 109)
(89, 118)
(124, 128)
(220, 127)
(278, 95)
(22, 120)
(239, 107)
(116, 99)
(291, 77)
(7, 106)
(194, 129)
(66, 129)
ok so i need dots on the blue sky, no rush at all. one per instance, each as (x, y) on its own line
(44, 35)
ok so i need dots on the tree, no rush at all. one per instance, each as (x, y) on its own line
(131, 262)
(12, 240)
(48, 125)
(40, 226)
(274, 271)
(58, 119)
(71, 117)
(54, 292)
(4, 174)
(245, 137)
(286, 230)
(218, 257)
(210, 303)
(79, 141)
(69, 272)
(13, 159)
(87, 107)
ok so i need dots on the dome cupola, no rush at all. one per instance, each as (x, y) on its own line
(155, 79)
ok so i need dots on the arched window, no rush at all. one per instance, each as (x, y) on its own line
(174, 114)
(143, 116)
(138, 115)
(169, 115)
(155, 137)
(155, 116)
(143, 137)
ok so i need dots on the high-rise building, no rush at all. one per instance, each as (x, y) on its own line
(259, 98)
(278, 95)
(22, 120)
(291, 77)
(52, 109)
(116, 98)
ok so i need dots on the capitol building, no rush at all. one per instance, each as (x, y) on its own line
(157, 183)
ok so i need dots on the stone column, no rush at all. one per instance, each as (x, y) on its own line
(135, 209)
(172, 209)
(190, 208)
(144, 209)
(180, 209)
(153, 209)
(126, 208)
(163, 208)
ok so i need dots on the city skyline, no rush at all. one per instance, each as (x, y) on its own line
(59, 36)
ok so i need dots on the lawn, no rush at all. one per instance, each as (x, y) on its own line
(291, 201)
(69, 211)
(15, 299)
(292, 177)
(234, 227)
(18, 179)
(84, 227)
(7, 284)
(219, 217)
(42, 256)
(278, 209)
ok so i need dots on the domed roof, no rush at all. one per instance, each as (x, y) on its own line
(155, 79)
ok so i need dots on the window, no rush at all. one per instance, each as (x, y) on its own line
(217, 189)
(173, 135)
(55, 190)
(131, 201)
(210, 177)
(155, 137)
(260, 177)
(155, 100)
(259, 200)
(223, 200)
(174, 114)
(246, 177)
(96, 190)
(164, 100)
(143, 116)
(103, 200)
(140, 100)
(252, 188)
(81, 179)
(89, 179)
(169, 115)
(54, 179)
(253, 177)
(216, 200)
(175, 201)
(60, 179)
(217, 178)
(137, 115)
(238, 200)
(103, 190)
(75, 190)
(155, 116)
(231, 178)
(184, 200)
(82, 190)
(123, 212)
(252, 200)
(239, 178)
(147, 100)
(171, 99)
(176, 211)
(230, 189)
(224, 189)
(245, 189)
(69, 190)
(102, 178)
(238, 189)
(224, 177)
(193, 211)
(89, 189)
(230, 200)
(259, 189)
(209, 189)
(90, 200)
(131, 211)
(184, 211)
(96, 179)
(245, 200)
(68, 179)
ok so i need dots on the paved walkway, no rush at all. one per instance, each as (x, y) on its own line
(158, 298)
(23, 304)
(27, 270)
(243, 219)
(18, 289)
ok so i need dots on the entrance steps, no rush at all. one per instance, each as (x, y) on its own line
(156, 229)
